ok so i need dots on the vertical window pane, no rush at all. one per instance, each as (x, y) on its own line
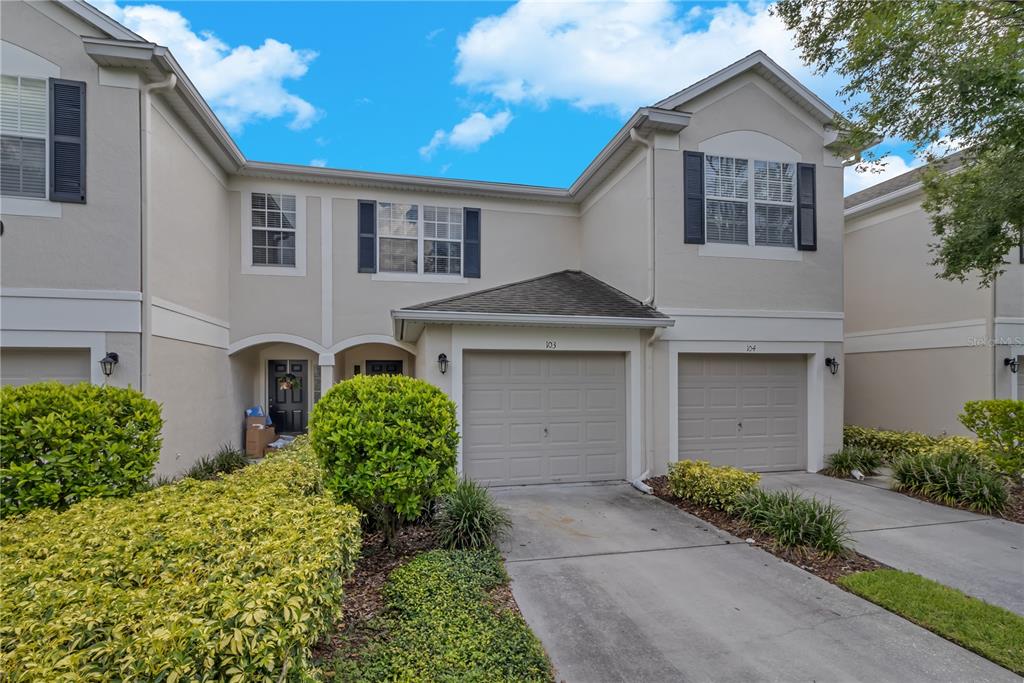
(774, 181)
(773, 225)
(274, 225)
(726, 177)
(22, 167)
(398, 255)
(726, 222)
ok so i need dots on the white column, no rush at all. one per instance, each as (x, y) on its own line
(326, 372)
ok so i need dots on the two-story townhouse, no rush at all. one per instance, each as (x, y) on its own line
(682, 298)
(918, 347)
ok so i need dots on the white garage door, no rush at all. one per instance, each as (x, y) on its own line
(745, 411)
(533, 418)
(24, 366)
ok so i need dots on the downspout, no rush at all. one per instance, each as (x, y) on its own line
(649, 144)
(147, 294)
(648, 441)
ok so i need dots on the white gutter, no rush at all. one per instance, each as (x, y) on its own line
(649, 144)
(144, 171)
(529, 319)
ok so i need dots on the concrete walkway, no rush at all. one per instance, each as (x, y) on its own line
(620, 586)
(980, 555)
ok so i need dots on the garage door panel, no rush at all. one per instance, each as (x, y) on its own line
(578, 398)
(764, 394)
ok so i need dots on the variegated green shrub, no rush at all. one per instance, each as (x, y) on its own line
(999, 423)
(388, 445)
(888, 442)
(226, 580)
(701, 482)
(61, 444)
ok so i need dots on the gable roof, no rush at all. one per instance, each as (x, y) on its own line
(566, 298)
(900, 186)
(764, 66)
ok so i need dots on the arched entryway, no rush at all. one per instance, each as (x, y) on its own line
(372, 355)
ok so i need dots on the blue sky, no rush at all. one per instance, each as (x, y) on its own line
(515, 92)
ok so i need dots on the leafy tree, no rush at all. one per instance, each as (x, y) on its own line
(930, 71)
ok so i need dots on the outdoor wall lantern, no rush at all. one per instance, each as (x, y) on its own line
(108, 362)
(832, 364)
(442, 363)
(1012, 363)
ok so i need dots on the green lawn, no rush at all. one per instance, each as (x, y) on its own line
(992, 632)
(440, 624)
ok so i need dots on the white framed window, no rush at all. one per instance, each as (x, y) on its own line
(759, 213)
(273, 232)
(419, 240)
(273, 229)
(24, 124)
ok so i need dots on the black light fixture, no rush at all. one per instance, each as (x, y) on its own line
(442, 363)
(1012, 363)
(108, 362)
(832, 364)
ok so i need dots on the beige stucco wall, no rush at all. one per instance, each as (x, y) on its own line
(614, 229)
(922, 390)
(686, 279)
(202, 393)
(889, 280)
(94, 245)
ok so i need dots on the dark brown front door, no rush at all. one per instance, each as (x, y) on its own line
(383, 367)
(287, 392)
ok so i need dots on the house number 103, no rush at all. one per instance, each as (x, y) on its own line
(550, 344)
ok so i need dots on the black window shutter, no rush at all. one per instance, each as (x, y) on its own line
(67, 141)
(367, 247)
(471, 243)
(693, 197)
(806, 215)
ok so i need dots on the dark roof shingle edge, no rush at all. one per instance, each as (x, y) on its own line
(901, 181)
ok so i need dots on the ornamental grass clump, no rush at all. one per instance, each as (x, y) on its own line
(469, 518)
(795, 521)
(61, 444)
(232, 579)
(387, 444)
(843, 463)
(718, 487)
(224, 461)
(952, 476)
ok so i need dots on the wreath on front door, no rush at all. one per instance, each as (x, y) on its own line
(289, 382)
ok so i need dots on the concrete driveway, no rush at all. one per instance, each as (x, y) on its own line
(982, 556)
(620, 586)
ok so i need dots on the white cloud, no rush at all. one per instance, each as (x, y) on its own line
(241, 83)
(434, 34)
(468, 134)
(318, 162)
(860, 177)
(619, 55)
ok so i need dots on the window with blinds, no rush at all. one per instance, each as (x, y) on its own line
(738, 211)
(23, 135)
(273, 229)
(411, 241)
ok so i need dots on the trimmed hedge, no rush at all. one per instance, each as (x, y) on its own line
(1000, 425)
(387, 444)
(441, 625)
(889, 442)
(61, 444)
(705, 484)
(232, 579)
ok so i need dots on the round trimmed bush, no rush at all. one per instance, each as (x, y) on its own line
(60, 444)
(388, 445)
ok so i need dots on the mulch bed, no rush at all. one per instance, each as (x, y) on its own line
(1014, 510)
(826, 567)
(363, 599)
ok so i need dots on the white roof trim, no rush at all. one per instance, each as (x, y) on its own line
(101, 21)
(528, 319)
(755, 59)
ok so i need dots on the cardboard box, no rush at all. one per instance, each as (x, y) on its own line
(257, 437)
(256, 422)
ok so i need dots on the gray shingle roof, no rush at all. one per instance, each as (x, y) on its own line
(569, 292)
(898, 183)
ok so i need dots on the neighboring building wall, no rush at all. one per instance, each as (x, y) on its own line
(86, 256)
(1009, 328)
(917, 347)
(921, 390)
